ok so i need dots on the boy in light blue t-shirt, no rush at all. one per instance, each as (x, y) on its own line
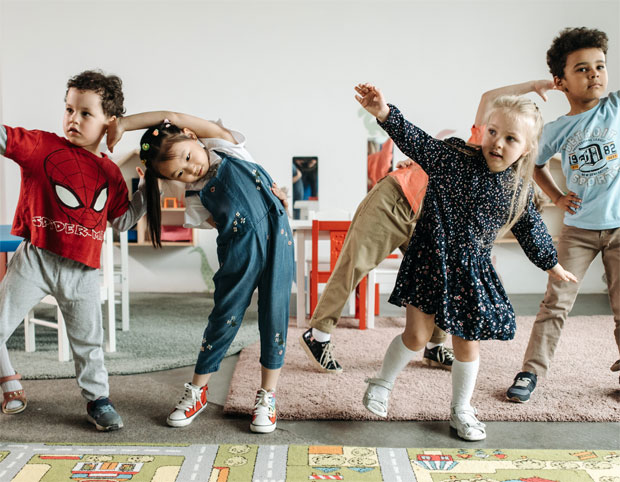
(587, 139)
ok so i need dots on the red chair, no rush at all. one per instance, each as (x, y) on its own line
(337, 232)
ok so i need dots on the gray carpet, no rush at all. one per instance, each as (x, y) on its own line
(165, 332)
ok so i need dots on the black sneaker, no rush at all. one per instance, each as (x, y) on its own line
(102, 414)
(522, 388)
(440, 357)
(319, 353)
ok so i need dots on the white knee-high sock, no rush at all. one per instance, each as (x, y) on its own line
(6, 369)
(464, 376)
(396, 358)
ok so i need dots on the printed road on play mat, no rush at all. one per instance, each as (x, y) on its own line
(262, 463)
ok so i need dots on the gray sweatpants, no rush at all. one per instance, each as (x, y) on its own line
(33, 273)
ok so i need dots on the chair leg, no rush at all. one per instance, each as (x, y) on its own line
(314, 288)
(377, 300)
(29, 339)
(360, 308)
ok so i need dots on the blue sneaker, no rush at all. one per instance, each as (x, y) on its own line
(102, 414)
(522, 387)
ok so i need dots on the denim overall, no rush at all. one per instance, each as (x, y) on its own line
(254, 249)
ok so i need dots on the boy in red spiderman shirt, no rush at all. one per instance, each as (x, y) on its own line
(69, 191)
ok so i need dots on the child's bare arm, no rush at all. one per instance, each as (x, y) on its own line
(201, 127)
(539, 86)
(569, 202)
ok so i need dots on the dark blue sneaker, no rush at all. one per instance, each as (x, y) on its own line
(102, 414)
(522, 388)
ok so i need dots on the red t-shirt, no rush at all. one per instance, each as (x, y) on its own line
(66, 196)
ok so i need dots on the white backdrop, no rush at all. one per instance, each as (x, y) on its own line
(282, 72)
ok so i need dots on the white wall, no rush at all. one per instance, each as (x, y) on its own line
(283, 72)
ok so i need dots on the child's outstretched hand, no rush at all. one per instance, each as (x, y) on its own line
(372, 100)
(559, 273)
(569, 202)
(114, 133)
(280, 194)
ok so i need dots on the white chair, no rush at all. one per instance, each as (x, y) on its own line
(107, 296)
(121, 280)
(385, 272)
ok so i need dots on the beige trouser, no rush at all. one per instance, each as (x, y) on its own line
(383, 222)
(576, 251)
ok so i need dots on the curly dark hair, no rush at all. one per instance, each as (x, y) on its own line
(568, 41)
(109, 87)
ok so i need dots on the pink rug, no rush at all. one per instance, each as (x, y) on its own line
(580, 386)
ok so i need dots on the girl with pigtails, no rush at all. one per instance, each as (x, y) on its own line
(227, 190)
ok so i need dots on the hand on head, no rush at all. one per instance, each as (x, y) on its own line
(114, 133)
(542, 86)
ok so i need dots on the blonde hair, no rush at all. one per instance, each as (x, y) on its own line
(525, 111)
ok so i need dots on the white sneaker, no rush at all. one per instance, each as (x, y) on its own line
(377, 396)
(193, 402)
(467, 426)
(264, 413)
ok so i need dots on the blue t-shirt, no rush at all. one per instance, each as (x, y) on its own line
(589, 146)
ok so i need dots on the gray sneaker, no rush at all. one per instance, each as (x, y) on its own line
(102, 414)
(522, 387)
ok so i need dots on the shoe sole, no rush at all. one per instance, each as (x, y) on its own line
(101, 428)
(184, 422)
(312, 359)
(435, 364)
(263, 428)
(516, 399)
(473, 439)
(378, 414)
(15, 411)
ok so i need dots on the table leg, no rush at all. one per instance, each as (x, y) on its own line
(300, 246)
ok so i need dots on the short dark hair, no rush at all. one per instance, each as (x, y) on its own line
(109, 87)
(568, 41)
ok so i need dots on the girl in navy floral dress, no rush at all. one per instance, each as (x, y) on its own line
(446, 278)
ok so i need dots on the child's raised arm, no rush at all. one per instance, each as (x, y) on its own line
(539, 86)
(201, 127)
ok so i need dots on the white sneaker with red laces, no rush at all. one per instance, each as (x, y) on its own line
(193, 402)
(264, 413)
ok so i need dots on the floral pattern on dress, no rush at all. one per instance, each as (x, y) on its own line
(447, 269)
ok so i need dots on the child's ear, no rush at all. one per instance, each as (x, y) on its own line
(190, 133)
(558, 82)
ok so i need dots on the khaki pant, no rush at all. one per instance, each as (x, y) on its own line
(576, 251)
(383, 222)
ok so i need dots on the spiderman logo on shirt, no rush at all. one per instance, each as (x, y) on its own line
(79, 184)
